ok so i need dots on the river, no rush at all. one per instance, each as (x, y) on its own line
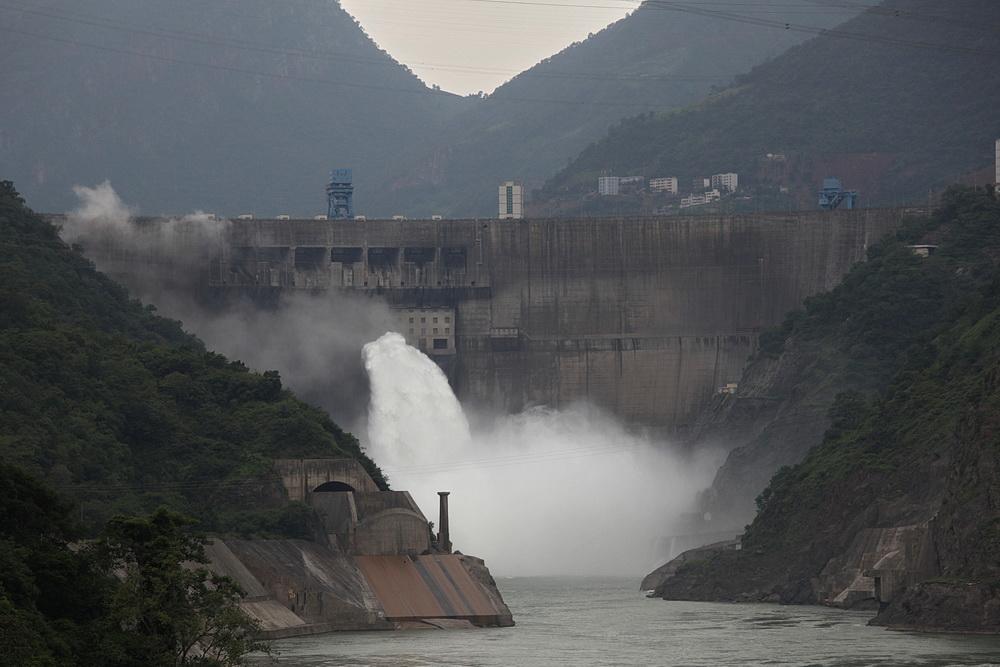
(583, 621)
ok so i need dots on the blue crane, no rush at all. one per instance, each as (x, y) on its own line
(340, 195)
(833, 195)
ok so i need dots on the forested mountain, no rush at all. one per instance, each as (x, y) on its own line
(236, 107)
(906, 477)
(659, 58)
(897, 100)
(122, 411)
(227, 106)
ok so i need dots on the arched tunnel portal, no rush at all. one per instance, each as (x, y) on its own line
(333, 487)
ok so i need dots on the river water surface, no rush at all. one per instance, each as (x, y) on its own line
(605, 621)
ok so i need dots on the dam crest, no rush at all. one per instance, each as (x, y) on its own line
(645, 317)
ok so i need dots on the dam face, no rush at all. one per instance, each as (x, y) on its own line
(645, 317)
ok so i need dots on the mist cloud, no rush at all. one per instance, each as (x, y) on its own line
(543, 492)
(314, 341)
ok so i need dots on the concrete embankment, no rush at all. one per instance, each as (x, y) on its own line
(296, 587)
(644, 317)
(372, 566)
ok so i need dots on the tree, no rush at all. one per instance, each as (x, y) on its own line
(169, 609)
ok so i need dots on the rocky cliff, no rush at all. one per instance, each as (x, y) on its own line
(899, 505)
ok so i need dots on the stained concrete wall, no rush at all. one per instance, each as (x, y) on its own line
(380, 523)
(301, 476)
(646, 317)
(392, 531)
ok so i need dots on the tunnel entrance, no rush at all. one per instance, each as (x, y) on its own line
(333, 487)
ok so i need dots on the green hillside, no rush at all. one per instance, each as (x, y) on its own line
(227, 107)
(896, 101)
(123, 411)
(656, 59)
(924, 450)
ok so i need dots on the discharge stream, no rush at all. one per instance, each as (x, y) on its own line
(542, 492)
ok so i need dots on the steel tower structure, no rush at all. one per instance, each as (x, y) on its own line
(340, 195)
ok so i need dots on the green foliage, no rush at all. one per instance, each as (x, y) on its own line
(124, 411)
(888, 125)
(170, 610)
(135, 597)
(940, 408)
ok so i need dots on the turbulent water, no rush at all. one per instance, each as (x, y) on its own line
(604, 621)
(572, 491)
(544, 492)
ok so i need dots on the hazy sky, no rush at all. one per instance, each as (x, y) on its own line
(470, 45)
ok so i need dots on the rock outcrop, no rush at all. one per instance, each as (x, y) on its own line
(899, 507)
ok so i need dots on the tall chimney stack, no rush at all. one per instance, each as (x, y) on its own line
(444, 537)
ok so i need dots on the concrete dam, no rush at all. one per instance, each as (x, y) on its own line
(644, 317)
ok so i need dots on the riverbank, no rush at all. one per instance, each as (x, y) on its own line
(601, 622)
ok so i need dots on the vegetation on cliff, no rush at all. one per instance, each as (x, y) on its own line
(873, 101)
(224, 107)
(130, 597)
(656, 59)
(123, 411)
(925, 449)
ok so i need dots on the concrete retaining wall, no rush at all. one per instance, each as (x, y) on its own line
(646, 317)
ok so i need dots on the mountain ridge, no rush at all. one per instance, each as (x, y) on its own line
(872, 101)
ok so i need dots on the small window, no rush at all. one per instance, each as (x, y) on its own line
(435, 320)
(447, 320)
(423, 320)
(435, 330)
(447, 330)
(411, 320)
(423, 332)
(440, 343)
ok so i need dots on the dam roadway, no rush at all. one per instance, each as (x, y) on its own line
(645, 317)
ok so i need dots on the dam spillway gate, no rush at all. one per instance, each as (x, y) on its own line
(644, 317)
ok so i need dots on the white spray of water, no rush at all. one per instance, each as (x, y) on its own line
(102, 217)
(314, 340)
(542, 492)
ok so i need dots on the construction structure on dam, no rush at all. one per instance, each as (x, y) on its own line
(373, 565)
(647, 318)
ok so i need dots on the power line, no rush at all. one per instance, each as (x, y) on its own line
(655, 5)
(332, 55)
(306, 79)
(243, 483)
(661, 5)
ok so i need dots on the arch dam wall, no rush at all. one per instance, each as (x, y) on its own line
(645, 317)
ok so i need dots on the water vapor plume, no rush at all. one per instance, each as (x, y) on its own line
(542, 492)
(313, 340)
(110, 232)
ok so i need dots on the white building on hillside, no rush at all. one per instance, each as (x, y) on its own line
(511, 201)
(998, 163)
(700, 200)
(664, 184)
(608, 185)
(699, 184)
(726, 182)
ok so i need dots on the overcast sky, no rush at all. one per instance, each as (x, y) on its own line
(466, 46)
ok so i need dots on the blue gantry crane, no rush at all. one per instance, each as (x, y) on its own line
(833, 195)
(340, 195)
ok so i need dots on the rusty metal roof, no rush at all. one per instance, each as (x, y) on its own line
(434, 586)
